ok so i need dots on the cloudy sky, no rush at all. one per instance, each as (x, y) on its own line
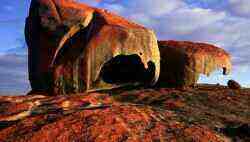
(225, 23)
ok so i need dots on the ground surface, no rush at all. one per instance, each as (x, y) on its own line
(201, 114)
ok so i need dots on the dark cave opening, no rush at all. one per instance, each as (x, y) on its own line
(127, 69)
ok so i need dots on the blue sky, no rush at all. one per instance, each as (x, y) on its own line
(225, 23)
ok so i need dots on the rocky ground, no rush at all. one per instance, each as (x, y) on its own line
(201, 114)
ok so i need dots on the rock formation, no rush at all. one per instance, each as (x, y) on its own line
(232, 84)
(183, 61)
(140, 115)
(75, 49)
(70, 43)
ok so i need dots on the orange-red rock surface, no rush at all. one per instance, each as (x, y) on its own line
(202, 114)
(183, 61)
(69, 43)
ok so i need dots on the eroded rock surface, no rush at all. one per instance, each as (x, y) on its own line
(70, 42)
(183, 61)
(206, 113)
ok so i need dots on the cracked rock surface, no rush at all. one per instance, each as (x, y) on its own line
(201, 114)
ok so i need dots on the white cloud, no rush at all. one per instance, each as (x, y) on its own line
(155, 8)
(187, 20)
(240, 7)
(146, 7)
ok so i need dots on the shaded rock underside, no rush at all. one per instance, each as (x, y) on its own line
(205, 113)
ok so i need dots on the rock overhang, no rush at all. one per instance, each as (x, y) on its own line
(189, 60)
(105, 36)
(70, 43)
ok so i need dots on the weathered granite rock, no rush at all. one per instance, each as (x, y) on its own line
(96, 117)
(183, 61)
(232, 84)
(70, 43)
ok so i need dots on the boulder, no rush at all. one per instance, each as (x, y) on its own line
(77, 48)
(232, 84)
(183, 61)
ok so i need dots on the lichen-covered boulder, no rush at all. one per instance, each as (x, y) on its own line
(77, 48)
(183, 61)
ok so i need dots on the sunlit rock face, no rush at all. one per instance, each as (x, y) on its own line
(183, 61)
(70, 42)
(97, 117)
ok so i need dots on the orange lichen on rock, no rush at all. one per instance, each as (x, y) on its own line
(70, 42)
(183, 61)
(94, 117)
(200, 134)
